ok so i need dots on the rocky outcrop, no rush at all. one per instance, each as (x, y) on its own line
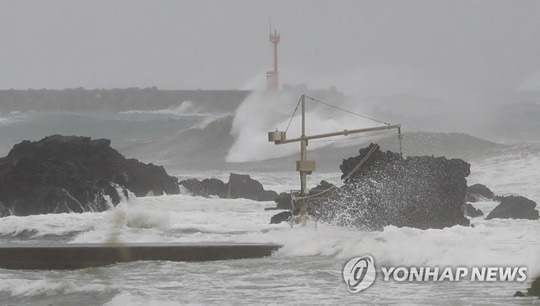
(283, 216)
(479, 192)
(324, 189)
(206, 187)
(514, 207)
(472, 212)
(534, 290)
(243, 186)
(73, 174)
(239, 186)
(422, 192)
(283, 201)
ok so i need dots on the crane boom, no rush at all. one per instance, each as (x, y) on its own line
(344, 133)
(305, 166)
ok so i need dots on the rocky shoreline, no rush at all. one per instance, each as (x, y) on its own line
(60, 174)
(238, 186)
(422, 192)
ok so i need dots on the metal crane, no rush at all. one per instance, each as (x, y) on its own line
(305, 166)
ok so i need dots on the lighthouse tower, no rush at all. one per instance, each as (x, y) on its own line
(272, 82)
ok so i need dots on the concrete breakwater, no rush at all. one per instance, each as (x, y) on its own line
(80, 99)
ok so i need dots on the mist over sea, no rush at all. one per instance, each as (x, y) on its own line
(194, 139)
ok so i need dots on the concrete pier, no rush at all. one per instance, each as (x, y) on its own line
(77, 256)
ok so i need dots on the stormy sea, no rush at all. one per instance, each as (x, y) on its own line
(199, 139)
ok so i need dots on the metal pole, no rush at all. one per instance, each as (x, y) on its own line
(303, 178)
(275, 57)
(307, 167)
(400, 137)
(303, 137)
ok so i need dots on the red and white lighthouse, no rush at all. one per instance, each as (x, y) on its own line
(272, 82)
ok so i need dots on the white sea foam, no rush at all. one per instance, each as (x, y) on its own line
(305, 270)
(50, 224)
(195, 219)
(10, 120)
(48, 286)
(516, 171)
(183, 218)
(126, 298)
(36, 226)
(184, 109)
(127, 222)
(251, 135)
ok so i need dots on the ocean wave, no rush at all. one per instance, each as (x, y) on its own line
(512, 171)
(186, 108)
(5, 121)
(127, 222)
(39, 226)
(55, 227)
(251, 139)
(184, 218)
(501, 242)
(135, 299)
(48, 287)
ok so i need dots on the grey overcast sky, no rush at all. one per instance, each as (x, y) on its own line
(399, 46)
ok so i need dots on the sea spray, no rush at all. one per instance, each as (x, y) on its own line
(185, 108)
(130, 215)
(263, 112)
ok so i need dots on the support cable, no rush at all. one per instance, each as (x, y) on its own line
(347, 111)
(294, 113)
(363, 161)
(294, 199)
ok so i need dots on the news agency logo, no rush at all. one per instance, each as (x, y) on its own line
(359, 274)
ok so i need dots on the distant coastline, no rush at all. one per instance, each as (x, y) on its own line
(151, 98)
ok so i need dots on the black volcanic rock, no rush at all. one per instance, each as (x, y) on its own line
(214, 186)
(281, 217)
(514, 207)
(283, 201)
(73, 174)
(194, 187)
(243, 186)
(478, 192)
(519, 294)
(422, 192)
(323, 189)
(472, 212)
(239, 186)
(206, 187)
(535, 288)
